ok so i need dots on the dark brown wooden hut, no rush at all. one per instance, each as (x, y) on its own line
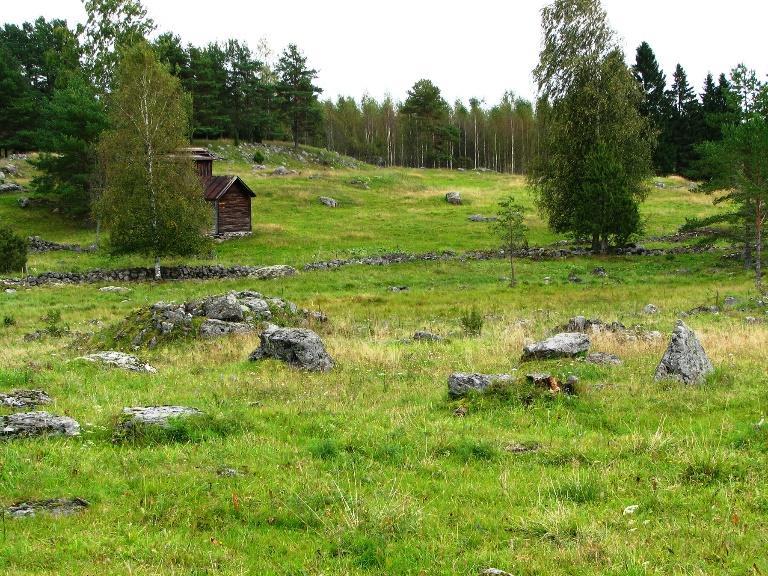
(229, 195)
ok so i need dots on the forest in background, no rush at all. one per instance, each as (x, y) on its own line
(255, 95)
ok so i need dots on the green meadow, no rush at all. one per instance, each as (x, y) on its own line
(371, 469)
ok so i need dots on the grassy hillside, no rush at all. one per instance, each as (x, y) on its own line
(381, 210)
(369, 469)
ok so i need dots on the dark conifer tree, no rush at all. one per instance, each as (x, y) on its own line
(297, 94)
(656, 106)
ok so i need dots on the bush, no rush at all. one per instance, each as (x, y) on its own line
(472, 322)
(258, 157)
(13, 251)
(9, 321)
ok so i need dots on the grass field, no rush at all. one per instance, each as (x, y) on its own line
(400, 210)
(366, 469)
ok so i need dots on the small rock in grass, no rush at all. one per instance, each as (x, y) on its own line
(730, 301)
(599, 272)
(650, 309)
(685, 359)
(575, 278)
(603, 358)
(564, 345)
(422, 336)
(10, 291)
(119, 360)
(54, 507)
(24, 399)
(227, 472)
(631, 509)
(329, 202)
(296, 346)
(494, 572)
(453, 198)
(115, 289)
(281, 171)
(27, 424)
(461, 384)
(156, 415)
(398, 289)
(522, 447)
(481, 218)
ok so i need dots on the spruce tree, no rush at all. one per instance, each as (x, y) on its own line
(686, 124)
(656, 106)
(152, 201)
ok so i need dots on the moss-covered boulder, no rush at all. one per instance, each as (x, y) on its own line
(211, 317)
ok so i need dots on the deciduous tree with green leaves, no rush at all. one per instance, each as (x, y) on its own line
(511, 229)
(152, 201)
(589, 102)
(112, 26)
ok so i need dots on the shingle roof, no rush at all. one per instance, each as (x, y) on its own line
(216, 186)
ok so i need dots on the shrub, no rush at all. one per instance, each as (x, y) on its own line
(9, 321)
(258, 157)
(53, 325)
(13, 251)
(472, 322)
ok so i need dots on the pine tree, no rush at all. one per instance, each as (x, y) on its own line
(297, 94)
(152, 201)
(71, 125)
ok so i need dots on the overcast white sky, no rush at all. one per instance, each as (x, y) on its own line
(472, 48)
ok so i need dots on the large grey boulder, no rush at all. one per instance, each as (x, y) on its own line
(37, 424)
(119, 360)
(156, 415)
(225, 308)
(218, 328)
(685, 359)
(564, 345)
(24, 399)
(460, 384)
(296, 346)
(54, 507)
(453, 198)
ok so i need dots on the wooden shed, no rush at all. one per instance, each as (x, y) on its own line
(229, 196)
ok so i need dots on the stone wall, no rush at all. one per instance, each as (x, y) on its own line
(146, 274)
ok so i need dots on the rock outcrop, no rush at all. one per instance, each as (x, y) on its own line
(211, 317)
(24, 399)
(25, 424)
(564, 345)
(160, 416)
(119, 360)
(54, 507)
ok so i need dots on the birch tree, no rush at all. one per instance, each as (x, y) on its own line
(152, 202)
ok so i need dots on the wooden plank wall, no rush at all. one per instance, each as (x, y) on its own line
(234, 211)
